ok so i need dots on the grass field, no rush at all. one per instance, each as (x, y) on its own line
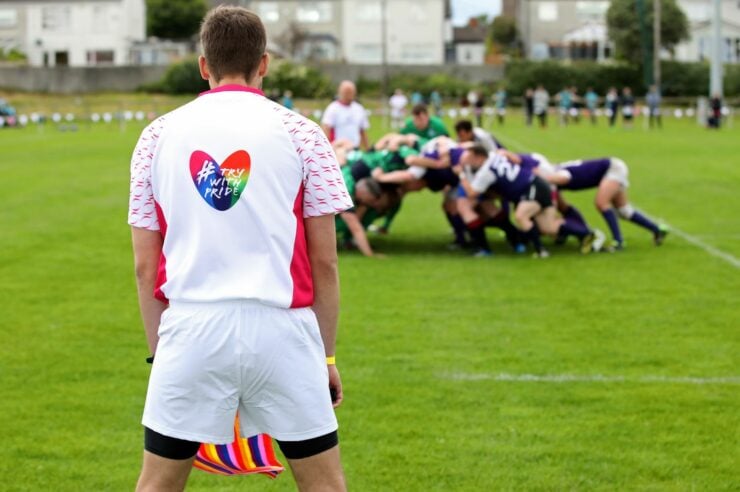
(606, 372)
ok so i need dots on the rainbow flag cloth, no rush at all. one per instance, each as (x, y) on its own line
(244, 456)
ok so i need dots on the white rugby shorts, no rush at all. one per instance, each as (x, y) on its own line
(214, 359)
(618, 172)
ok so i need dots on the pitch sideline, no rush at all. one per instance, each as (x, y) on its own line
(589, 378)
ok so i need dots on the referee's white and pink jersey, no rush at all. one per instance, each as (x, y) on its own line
(228, 180)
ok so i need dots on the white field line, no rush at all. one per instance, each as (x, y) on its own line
(732, 260)
(587, 378)
(718, 253)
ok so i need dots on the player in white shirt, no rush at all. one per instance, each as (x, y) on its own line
(345, 118)
(232, 210)
(398, 102)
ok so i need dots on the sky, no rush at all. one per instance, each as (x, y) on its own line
(462, 10)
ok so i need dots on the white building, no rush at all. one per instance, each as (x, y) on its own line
(73, 33)
(352, 30)
(415, 31)
(699, 47)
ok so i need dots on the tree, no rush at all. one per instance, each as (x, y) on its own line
(174, 20)
(623, 23)
(504, 34)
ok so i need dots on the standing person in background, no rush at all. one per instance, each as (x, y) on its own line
(715, 108)
(592, 102)
(398, 102)
(287, 99)
(345, 118)
(500, 107)
(480, 102)
(416, 98)
(652, 99)
(628, 107)
(541, 104)
(529, 105)
(612, 105)
(239, 195)
(575, 104)
(565, 102)
(435, 99)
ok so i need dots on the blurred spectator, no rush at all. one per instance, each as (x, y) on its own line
(529, 105)
(628, 107)
(500, 102)
(612, 105)
(652, 99)
(541, 104)
(715, 111)
(565, 102)
(398, 102)
(288, 99)
(480, 102)
(435, 99)
(592, 102)
(416, 98)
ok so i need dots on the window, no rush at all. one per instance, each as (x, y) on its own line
(100, 57)
(8, 18)
(368, 53)
(310, 12)
(547, 11)
(696, 12)
(594, 11)
(268, 11)
(369, 12)
(56, 18)
(417, 52)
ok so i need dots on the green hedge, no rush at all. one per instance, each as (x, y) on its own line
(679, 79)
(302, 81)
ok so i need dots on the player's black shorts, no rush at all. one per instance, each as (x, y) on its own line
(538, 191)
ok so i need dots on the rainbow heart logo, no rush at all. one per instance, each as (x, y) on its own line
(220, 185)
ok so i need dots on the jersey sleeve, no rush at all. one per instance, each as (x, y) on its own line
(483, 179)
(365, 124)
(324, 190)
(417, 172)
(141, 206)
(329, 116)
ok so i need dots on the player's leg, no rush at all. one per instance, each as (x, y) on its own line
(473, 223)
(627, 212)
(524, 214)
(605, 195)
(500, 218)
(167, 463)
(449, 207)
(319, 472)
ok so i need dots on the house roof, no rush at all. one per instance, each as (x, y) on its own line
(469, 34)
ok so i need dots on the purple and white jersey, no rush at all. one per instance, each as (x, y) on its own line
(585, 174)
(455, 154)
(507, 179)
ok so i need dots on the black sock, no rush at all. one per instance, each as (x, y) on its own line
(533, 236)
(478, 234)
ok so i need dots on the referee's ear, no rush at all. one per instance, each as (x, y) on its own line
(264, 64)
(203, 66)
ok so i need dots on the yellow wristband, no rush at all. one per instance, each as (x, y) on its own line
(331, 360)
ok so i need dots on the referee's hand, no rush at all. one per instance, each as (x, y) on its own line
(335, 386)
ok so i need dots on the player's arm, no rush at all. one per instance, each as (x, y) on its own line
(322, 255)
(428, 162)
(393, 177)
(510, 156)
(364, 144)
(355, 227)
(147, 251)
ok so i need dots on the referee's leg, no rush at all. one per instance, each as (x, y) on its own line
(160, 474)
(320, 472)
